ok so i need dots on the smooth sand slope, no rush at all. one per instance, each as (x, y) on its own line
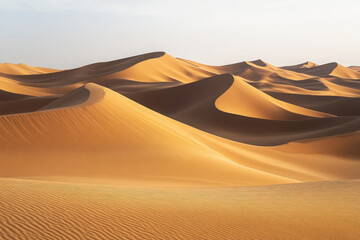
(157, 148)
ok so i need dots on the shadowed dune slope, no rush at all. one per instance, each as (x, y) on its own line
(336, 105)
(44, 210)
(30, 104)
(9, 96)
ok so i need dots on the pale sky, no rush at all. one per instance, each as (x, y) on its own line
(71, 33)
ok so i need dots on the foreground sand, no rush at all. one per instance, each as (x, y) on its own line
(48, 210)
(155, 147)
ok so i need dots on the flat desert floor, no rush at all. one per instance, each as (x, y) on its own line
(157, 147)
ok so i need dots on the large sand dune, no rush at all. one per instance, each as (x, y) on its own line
(184, 136)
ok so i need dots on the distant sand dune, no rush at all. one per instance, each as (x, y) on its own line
(336, 105)
(356, 68)
(23, 69)
(330, 69)
(301, 65)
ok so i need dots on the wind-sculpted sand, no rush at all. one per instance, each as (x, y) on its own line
(49, 210)
(155, 147)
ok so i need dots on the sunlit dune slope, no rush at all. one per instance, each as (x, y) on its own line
(44, 210)
(165, 68)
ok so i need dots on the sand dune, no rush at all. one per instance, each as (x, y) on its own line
(152, 126)
(301, 65)
(331, 69)
(306, 78)
(243, 99)
(257, 70)
(23, 69)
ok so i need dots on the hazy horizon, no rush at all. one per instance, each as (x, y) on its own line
(66, 34)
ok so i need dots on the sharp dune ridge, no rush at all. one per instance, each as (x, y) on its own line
(155, 127)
